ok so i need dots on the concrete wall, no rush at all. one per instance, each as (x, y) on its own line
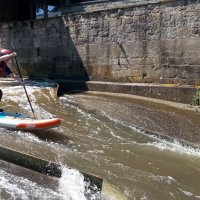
(141, 42)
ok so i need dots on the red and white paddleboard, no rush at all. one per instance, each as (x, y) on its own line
(19, 121)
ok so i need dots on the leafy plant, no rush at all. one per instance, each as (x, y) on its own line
(196, 98)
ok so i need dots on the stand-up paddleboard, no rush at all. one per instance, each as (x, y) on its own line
(21, 122)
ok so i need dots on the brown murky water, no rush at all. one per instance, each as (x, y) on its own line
(99, 135)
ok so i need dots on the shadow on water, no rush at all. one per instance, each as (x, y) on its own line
(52, 136)
(71, 87)
(42, 83)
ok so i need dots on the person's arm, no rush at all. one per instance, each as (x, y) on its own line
(8, 56)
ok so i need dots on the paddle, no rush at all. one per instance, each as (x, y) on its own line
(18, 69)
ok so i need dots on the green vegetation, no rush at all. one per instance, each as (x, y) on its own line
(196, 98)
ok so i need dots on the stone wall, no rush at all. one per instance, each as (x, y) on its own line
(146, 42)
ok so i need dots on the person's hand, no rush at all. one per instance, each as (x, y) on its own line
(17, 78)
(13, 54)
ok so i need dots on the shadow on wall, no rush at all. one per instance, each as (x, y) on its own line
(54, 55)
(47, 50)
(73, 74)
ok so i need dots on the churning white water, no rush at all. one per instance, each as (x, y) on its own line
(92, 138)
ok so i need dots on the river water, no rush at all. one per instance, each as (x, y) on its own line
(97, 136)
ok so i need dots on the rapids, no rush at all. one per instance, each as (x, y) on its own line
(99, 135)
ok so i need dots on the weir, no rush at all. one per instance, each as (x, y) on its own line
(49, 168)
(103, 133)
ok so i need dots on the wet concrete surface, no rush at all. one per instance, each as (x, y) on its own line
(168, 120)
(169, 92)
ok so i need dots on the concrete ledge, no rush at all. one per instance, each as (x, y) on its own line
(168, 92)
(45, 167)
(102, 5)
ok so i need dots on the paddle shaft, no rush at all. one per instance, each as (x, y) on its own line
(19, 72)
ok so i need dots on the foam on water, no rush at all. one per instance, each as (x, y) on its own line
(161, 144)
(28, 138)
(68, 102)
(71, 185)
(17, 95)
(175, 147)
(189, 194)
(22, 188)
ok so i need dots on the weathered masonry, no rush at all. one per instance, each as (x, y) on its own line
(146, 41)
